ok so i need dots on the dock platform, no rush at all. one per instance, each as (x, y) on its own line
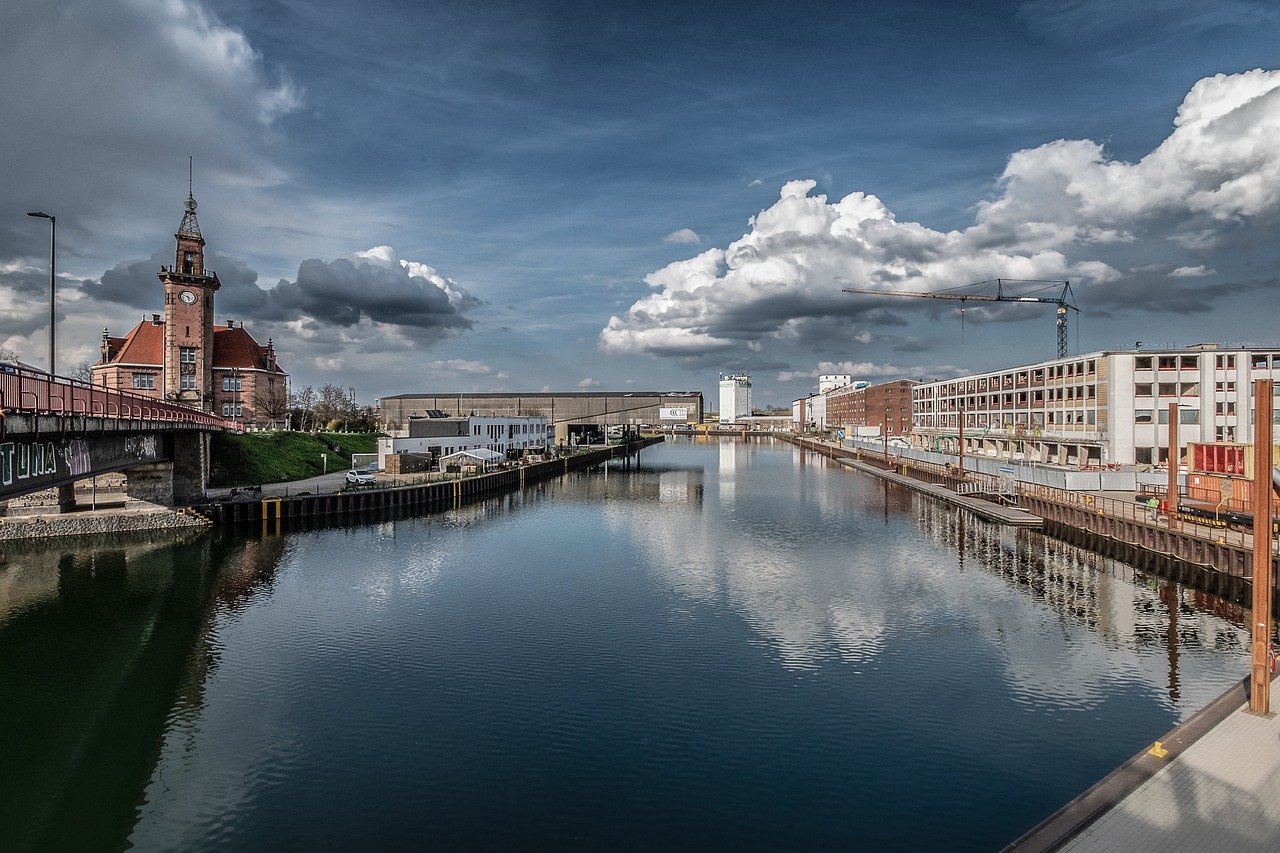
(979, 507)
(1218, 788)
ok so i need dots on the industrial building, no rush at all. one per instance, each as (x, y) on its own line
(573, 415)
(735, 396)
(427, 439)
(1101, 408)
(871, 409)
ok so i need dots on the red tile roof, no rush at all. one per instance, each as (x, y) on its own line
(143, 345)
(232, 347)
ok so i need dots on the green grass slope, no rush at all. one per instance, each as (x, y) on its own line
(252, 459)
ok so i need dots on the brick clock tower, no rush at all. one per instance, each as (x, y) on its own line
(188, 314)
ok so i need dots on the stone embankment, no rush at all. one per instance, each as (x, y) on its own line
(24, 527)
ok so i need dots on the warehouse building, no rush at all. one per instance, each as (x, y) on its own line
(571, 415)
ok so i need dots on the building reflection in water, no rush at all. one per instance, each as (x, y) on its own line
(806, 570)
(1113, 599)
(105, 649)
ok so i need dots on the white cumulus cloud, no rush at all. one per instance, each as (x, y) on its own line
(684, 235)
(1191, 272)
(1057, 208)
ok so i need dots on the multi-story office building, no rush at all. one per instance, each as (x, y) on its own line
(735, 396)
(1102, 408)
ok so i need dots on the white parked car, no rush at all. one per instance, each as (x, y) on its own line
(360, 478)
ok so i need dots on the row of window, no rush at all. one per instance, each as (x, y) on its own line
(147, 381)
(1223, 361)
(233, 410)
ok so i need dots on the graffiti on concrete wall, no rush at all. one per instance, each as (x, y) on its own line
(75, 454)
(24, 460)
(30, 465)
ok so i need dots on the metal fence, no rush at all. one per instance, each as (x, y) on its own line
(35, 392)
(939, 466)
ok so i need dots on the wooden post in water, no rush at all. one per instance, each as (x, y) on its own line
(1260, 672)
(1172, 495)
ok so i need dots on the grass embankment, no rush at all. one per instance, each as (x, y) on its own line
(252, 459)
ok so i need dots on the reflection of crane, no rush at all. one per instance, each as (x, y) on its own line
(1064, 300)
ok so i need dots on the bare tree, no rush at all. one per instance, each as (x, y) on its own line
(81, 372)
(303, 405)
(270, 402)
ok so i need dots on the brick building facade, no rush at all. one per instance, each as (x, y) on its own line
(183, 357)
(887, 406)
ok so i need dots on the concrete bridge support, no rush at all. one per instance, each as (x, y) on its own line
(176, 483)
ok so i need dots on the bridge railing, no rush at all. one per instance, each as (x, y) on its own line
(36, 392)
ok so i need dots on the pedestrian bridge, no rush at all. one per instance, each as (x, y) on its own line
(55, 431)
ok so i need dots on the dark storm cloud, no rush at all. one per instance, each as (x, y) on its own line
(341, 292)
(337, 293)
(1146, 289)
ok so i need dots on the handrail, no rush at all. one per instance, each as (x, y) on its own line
(37, 392)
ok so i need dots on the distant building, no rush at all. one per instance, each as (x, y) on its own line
(735, 396)
(831, 381)
(858, 407)
(183, 357)
(436, 437)
(570, 413)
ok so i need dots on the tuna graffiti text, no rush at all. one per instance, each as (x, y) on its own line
(24, 460)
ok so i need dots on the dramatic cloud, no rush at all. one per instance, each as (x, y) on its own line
(374, 285)
(464, 367)
(1191, 272)
(684, 235)
(1063, 210)
(370, 289)
(148, 82)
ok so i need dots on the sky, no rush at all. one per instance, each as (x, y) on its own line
(411, 197)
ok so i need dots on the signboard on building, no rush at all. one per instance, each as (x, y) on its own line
(674, 414)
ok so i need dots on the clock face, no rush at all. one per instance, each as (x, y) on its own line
(188, 297)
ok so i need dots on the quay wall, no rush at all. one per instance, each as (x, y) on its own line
(426, 497)
(1096, 522)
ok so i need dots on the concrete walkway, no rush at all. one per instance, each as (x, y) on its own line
(326, 484)
(978, 506)
(1222, 793)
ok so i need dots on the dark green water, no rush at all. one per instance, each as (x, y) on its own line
(735, 646)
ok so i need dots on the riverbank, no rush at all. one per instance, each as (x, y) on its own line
(97, 522)
(1080, 516)
(300, 508)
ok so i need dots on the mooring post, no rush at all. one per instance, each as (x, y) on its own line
(1172, 499)
(1260, 672)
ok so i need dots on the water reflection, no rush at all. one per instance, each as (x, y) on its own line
(799, 560)
(638, 648)
(104, 646)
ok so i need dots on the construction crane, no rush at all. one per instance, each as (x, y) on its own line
(1065, 300)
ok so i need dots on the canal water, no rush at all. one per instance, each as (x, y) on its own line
(735, 644)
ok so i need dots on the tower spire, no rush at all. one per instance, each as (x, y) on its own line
(189, 225)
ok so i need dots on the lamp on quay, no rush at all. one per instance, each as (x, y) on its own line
(53, 241)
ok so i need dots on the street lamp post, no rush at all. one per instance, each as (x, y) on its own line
(53, 242)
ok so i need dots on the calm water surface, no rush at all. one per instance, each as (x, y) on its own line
(736, 645)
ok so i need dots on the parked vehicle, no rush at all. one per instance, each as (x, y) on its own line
(360, 478)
